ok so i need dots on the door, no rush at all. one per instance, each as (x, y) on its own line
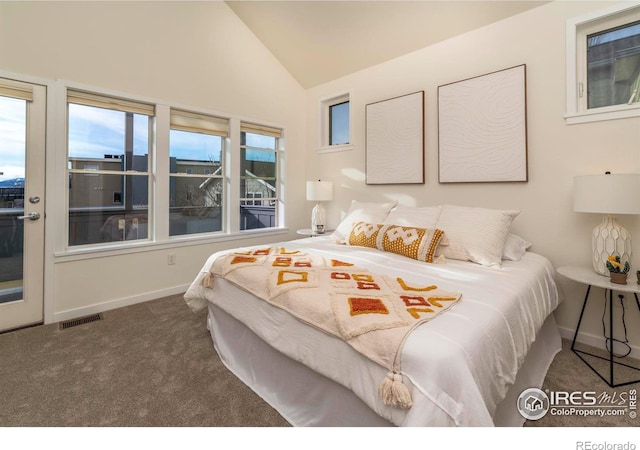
(22, 156)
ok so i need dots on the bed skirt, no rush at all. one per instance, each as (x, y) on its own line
(306, 398)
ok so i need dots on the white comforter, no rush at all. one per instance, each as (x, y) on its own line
(459, 365)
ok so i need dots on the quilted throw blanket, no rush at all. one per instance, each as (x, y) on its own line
(373, 313)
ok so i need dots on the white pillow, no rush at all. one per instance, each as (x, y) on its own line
(475, 234)
(420, 217)
(361, 212)
(515, 247)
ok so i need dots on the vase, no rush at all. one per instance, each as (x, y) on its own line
(618, 278)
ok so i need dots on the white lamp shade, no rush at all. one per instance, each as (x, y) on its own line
(319, 191)
(607, 193)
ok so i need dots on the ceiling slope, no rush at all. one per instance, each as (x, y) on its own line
(319, 41)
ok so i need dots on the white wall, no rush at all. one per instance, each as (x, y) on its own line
(196, 54)
(556, 151)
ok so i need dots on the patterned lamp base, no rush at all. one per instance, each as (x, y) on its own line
(318, 218)
(609, 238)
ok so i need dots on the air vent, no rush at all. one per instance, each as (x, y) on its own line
(80, 321)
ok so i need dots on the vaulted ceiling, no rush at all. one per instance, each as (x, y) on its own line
(318, 41)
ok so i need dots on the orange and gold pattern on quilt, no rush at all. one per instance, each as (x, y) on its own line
(367, 305)
(411, 299)
(338, 263)
(284, 251)
(406, 287)
(292, 276)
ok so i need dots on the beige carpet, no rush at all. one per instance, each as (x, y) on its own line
(153, 365)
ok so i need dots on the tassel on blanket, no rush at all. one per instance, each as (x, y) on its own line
(207, 280)
(394, 392)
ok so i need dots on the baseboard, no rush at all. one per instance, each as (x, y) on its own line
(118, 303)
(593, 340)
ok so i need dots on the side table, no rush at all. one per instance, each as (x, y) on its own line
(588, 277)
(310, 232)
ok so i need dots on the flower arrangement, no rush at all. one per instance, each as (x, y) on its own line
(615, 266)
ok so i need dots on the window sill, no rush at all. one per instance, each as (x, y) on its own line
(335, 148)
(612, 113)
(91, 252)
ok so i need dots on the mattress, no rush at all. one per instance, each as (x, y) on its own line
(460, 367)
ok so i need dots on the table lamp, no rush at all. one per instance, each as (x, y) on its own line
(611, 195)
(319, 191)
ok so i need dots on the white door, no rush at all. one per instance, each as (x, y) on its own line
(22, 156)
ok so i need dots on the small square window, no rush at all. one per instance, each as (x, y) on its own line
(339, 124)
(335, 123)
(613, 66)
(603, 65)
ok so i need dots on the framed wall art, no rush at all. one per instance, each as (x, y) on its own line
(395, 140)
(482, 128)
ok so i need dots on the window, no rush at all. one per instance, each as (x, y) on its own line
(259, 148)
(339, 124)
(196, 149)
(140, 174)
(604, 65)
(335, 123)
(108, 168)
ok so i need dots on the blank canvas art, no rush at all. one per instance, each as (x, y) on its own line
(395, 140)
(482, 129)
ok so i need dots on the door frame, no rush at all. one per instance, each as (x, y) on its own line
(51, 219)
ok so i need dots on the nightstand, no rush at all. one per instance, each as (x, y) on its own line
(310, 232)
(588, 277)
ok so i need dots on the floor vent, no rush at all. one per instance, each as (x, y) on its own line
(80, 321)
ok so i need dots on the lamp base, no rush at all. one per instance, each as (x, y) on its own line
(609, 238)
(318, 216)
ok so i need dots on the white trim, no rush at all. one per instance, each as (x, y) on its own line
(336, 148)
(81, 253)
(117, 303)
(574, 113)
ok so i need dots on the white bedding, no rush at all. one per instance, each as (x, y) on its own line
(459, 366)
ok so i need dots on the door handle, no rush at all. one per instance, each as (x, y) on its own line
(30, 216)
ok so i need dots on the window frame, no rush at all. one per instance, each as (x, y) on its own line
(247, 200)
(576, 75)
(95, 99)
(213, 125)
(324, 123)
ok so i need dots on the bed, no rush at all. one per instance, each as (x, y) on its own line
(464, 365)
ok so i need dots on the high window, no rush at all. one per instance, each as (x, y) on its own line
(259, 154)
(603, 65)
(335, 123)
(196, 151)
(108, 168)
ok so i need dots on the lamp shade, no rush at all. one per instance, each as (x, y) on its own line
(319, 191)
(607, 193)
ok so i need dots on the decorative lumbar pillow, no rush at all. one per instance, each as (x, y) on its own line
(361, 212)
(475, 234)
(365, 235)
(413, 242)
